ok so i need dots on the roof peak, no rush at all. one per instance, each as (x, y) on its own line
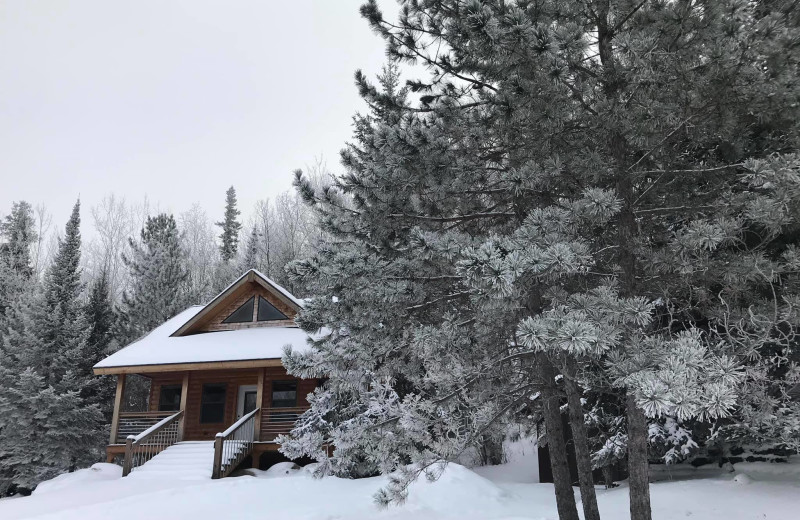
(249, 276)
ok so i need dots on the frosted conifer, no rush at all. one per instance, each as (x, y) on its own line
(158, 277)
(229, 238)
(557, 149)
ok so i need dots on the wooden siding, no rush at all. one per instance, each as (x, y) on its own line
(213, 322)
(193, 429)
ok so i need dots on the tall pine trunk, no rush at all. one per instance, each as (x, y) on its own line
(638, 466)
(556, 447)
(580, 440)
(626, 241)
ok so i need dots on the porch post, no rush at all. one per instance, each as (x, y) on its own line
(259, 404)
(117, 408)
(184, 397)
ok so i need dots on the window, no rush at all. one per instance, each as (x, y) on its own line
(212, 403)
(284, 394)
(170, 398)
(243, 314)
(268, 312)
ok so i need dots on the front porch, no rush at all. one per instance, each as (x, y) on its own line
(242, 410)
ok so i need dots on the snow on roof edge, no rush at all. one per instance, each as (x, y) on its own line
(166, 326)
(297, 301)
(269, 280)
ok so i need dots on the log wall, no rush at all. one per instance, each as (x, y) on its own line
(193, 429)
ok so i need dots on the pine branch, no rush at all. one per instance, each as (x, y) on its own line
(673, 209)
(698, 170)
(462, 218)
(622, 22)
(437, 300)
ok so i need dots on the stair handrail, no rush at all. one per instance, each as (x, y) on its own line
(233, 445)
(146, 445)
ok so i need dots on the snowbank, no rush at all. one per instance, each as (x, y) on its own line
(97, 473)
(288, 492)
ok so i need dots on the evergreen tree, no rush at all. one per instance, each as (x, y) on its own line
(47, 426)
(583, 193)
(45, 432)
(61, 323)
(250, 258)
(101, 320)
(17, 235)
(157, 277)
(100, 315)
(229, 237)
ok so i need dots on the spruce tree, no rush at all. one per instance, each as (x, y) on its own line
(48, 426)
(62, 325)
(604, 190)
(17, 235)
(158, 277)
(45, 432)
(101, 320)
(229, 238)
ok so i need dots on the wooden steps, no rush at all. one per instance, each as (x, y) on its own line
(182, 461)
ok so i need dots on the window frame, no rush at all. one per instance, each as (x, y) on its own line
(204, 404)
(161, 403)
(270, 308)
(272, 393)
(251, 302)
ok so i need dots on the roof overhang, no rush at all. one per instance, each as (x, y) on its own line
(183, 367)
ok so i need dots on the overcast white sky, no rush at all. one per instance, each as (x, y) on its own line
(176, 100)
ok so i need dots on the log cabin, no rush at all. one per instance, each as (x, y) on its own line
(216, 381)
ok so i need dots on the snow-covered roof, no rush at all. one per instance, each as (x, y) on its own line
(296, 301)
(160, 348)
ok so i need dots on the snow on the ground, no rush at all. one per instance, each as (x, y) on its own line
(749, 492)
(97, 473)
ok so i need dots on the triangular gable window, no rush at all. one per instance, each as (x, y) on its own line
(268, 312)
(243, 314)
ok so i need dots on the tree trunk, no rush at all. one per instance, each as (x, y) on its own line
(556, 447)
(608, 476)
(491, 450)
(580, 440)
(638, 467)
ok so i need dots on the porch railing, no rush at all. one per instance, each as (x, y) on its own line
(233, 445)
(279, 421)
(146, 445)
(134, 423)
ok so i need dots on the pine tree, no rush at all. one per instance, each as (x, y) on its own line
(101, 320)
(48, 427)
(250, 258)
(157, 277)
(580, 186)
(45, 432)
(17, 235)
(229, 237)
(61, 323)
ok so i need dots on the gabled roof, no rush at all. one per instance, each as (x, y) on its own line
(160, 351)
(253, 276)
(166, 349)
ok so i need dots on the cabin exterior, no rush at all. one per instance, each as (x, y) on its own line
(215, 377)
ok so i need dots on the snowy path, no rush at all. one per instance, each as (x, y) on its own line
(181, 461)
